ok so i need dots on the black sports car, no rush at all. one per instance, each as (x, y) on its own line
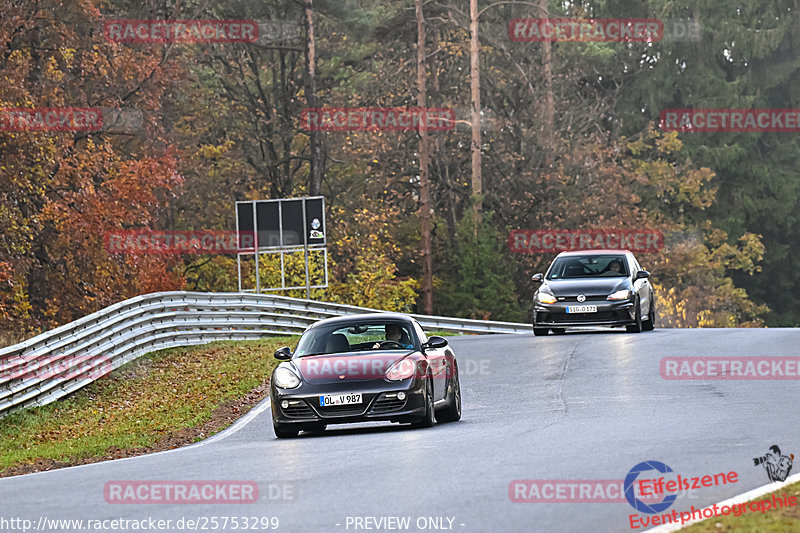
(364, 368)
(593, 288)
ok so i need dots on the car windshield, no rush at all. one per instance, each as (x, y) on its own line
(355, 337)
(588, 266)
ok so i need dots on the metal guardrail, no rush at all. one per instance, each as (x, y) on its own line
(51, 365)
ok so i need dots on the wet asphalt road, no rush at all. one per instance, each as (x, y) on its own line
(572, 407)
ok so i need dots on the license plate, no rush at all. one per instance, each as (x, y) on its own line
(582, 309)
(340, 399)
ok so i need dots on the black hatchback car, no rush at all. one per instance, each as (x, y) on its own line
(593, 288)
(364, 368)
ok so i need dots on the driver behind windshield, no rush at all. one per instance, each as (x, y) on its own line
(614, 268)
(394, 332)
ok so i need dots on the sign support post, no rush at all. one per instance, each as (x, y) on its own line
(255, 254)
(305, 252)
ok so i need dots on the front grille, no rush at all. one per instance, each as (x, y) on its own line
(386, 405)
(595, 298)
(600, 316)
(342, 410)
(298, 409)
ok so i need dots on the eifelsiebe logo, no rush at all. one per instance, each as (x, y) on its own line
(630, 495)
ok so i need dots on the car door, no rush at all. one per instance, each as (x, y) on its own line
(641, 286)
(437, 361)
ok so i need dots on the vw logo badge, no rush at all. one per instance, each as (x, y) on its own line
(581, 298)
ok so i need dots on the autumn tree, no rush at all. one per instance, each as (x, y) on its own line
(63, 191)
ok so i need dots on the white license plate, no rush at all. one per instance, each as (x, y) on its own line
(340, 399)
(582, 309)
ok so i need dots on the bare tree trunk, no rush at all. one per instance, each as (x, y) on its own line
(475, 84)
(548, 116)
(446, 185)
(424, 165)
(317, 162)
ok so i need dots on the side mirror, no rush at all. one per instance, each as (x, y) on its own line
(538, 277)
(283, 354)
(434, 343)
(642, 274)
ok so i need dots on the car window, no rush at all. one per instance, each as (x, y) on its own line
(371, 333)
(588, 266)
(354, 337)
(420, 332)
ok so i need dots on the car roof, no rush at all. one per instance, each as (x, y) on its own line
(593, 252)
(347, 319)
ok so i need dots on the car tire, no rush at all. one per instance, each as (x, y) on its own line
(637, 326)
(285, 431)
(650, 323)
(558, 331)
(451, 412)
(316, 428)
(428, 420)
(540, 331)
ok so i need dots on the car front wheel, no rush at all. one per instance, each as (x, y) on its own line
(452, 410)
(427, 420)
(636, 327)
(650, 323)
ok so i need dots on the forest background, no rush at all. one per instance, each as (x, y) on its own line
(569, 139)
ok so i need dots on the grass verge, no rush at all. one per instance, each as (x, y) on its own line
(160, 401)
(779, 520)
(445, 334)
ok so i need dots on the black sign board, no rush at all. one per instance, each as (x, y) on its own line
(284, 223)
(315, 221)
(245, 225)
(269, 228)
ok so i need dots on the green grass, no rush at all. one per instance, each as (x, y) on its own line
(140, 404)
(444, 334)
(781, 520)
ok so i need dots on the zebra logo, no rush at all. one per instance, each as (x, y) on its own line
(777, 466)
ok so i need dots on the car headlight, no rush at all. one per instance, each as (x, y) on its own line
(285, 378)
(545, 298)
(624, 294)
(402, 369)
